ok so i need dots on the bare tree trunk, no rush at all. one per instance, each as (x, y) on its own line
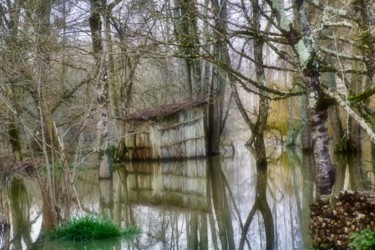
(318, 113)
(260, 125)
(317, 109)
(111, 66)
(103, 113)
(306, 49)
(186, 32)
(11, 44)
(354, 140)
(217, 90)
(207, 49)
(97, 10)
(42, 102)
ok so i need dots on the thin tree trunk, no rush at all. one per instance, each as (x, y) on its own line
(111, 66)
(260, 125)
(101, 88)
(103, 130)
(217, 90)
(186, 32)
(42, 101)
(12, 45)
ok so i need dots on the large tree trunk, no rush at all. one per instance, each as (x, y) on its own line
(301, 38)
(318, 113)
(317, 108)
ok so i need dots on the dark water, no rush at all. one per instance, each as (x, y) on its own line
(216, 203)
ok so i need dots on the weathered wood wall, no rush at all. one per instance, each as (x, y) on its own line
(174, 136)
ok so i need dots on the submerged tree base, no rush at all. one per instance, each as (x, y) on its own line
(334, 220)
(91, 227)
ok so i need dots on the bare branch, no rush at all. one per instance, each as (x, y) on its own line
(361, 122)
(341, 55)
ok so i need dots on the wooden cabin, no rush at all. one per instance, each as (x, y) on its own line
(172, 131)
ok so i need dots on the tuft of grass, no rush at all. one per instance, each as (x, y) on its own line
(91, 227)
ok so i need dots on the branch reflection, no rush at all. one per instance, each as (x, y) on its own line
(263, 207)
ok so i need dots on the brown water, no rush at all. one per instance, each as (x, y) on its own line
(195, 204)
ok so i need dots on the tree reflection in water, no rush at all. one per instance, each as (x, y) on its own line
(214, 203)
(4, 213)
(20, 207)
(220, 207)
(262, 206)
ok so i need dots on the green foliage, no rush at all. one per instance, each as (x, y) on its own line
(90, 227)
(364, 240)
(111, 152)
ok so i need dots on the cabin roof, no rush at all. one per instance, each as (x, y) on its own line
(161, 111)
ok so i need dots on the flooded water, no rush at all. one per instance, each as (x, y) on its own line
(215, 203)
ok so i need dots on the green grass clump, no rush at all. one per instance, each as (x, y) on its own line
(90, 227)
(364, 240)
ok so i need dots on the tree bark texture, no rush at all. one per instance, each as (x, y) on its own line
(318, 113)
(103, 131)
(102, 87)
(300, 37)
(261, 122)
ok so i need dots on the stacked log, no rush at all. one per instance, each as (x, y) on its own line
(335, 219)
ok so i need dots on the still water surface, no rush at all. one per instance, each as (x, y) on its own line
(216, 203)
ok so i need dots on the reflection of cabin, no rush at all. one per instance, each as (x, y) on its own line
(167, 132)
(180, 184)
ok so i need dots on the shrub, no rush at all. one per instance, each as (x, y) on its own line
(90, 227)
(364, 240)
